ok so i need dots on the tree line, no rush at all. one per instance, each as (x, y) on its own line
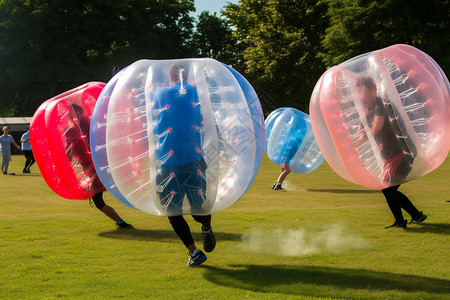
(281, 46)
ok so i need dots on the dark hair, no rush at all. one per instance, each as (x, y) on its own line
(76, 107)
(366, 81)
(174, 71)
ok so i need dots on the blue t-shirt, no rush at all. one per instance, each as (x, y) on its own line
(178, 124)
(26, 145)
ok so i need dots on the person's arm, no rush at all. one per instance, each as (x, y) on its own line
(22, 140)
(362, 137)
(378, 122)
(15, 144)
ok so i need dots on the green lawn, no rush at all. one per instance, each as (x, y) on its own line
(320, 238)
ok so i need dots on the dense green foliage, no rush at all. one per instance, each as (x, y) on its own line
(50, 46)
(281, 46)
(214, 38)
(281, 40)
(365, 25)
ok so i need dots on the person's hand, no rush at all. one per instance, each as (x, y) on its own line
(18, 147)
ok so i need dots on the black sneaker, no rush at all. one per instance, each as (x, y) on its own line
(419, 218)
(124, 225)
(277, 186)
(396, 224)
(209, 241)
(196, 258)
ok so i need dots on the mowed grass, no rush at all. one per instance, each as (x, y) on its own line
(320, 238)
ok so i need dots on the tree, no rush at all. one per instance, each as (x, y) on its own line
(362, 26)
(281, 40)
(214, 38)
(50, 46)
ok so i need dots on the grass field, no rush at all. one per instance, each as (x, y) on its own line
(321, 238)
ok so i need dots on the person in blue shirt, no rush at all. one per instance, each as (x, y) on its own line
(179, 158)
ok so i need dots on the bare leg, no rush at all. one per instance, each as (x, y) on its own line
(285, 170)
(110, 212)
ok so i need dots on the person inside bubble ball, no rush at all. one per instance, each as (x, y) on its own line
(179, 159)
(397, 162)
(5, 143)
(76, 152)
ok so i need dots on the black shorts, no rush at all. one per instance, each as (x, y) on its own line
(173, 183)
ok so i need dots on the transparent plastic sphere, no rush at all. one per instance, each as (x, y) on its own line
(382, 118)
(290, 139)
(59, 136)
(179, 136)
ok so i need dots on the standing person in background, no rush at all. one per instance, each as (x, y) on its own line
(5, 143)
(26, 148)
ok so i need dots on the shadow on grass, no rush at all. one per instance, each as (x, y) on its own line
(430, 227)
(343, 191)
(160, 235)
(26, 175)
(320, 281)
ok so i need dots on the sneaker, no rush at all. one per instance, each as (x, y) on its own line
(24, 170)
(209, 241)
(124, 225)
(196, 258)
(277, 186)
(396, 224)
(419, 218)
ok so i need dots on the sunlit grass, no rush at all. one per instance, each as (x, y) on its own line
(322, 237)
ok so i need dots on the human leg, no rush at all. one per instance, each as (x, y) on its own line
(394, 203)
(204, 220)
(209, 240)
(407, 205)
(27, 159)
(5, 167)
(181, 228)
(5, 162)
(416, 215)
(32, 161)
(109, 211)
(27, 155)
(285, 170)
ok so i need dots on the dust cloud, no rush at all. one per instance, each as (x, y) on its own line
(302, 241)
